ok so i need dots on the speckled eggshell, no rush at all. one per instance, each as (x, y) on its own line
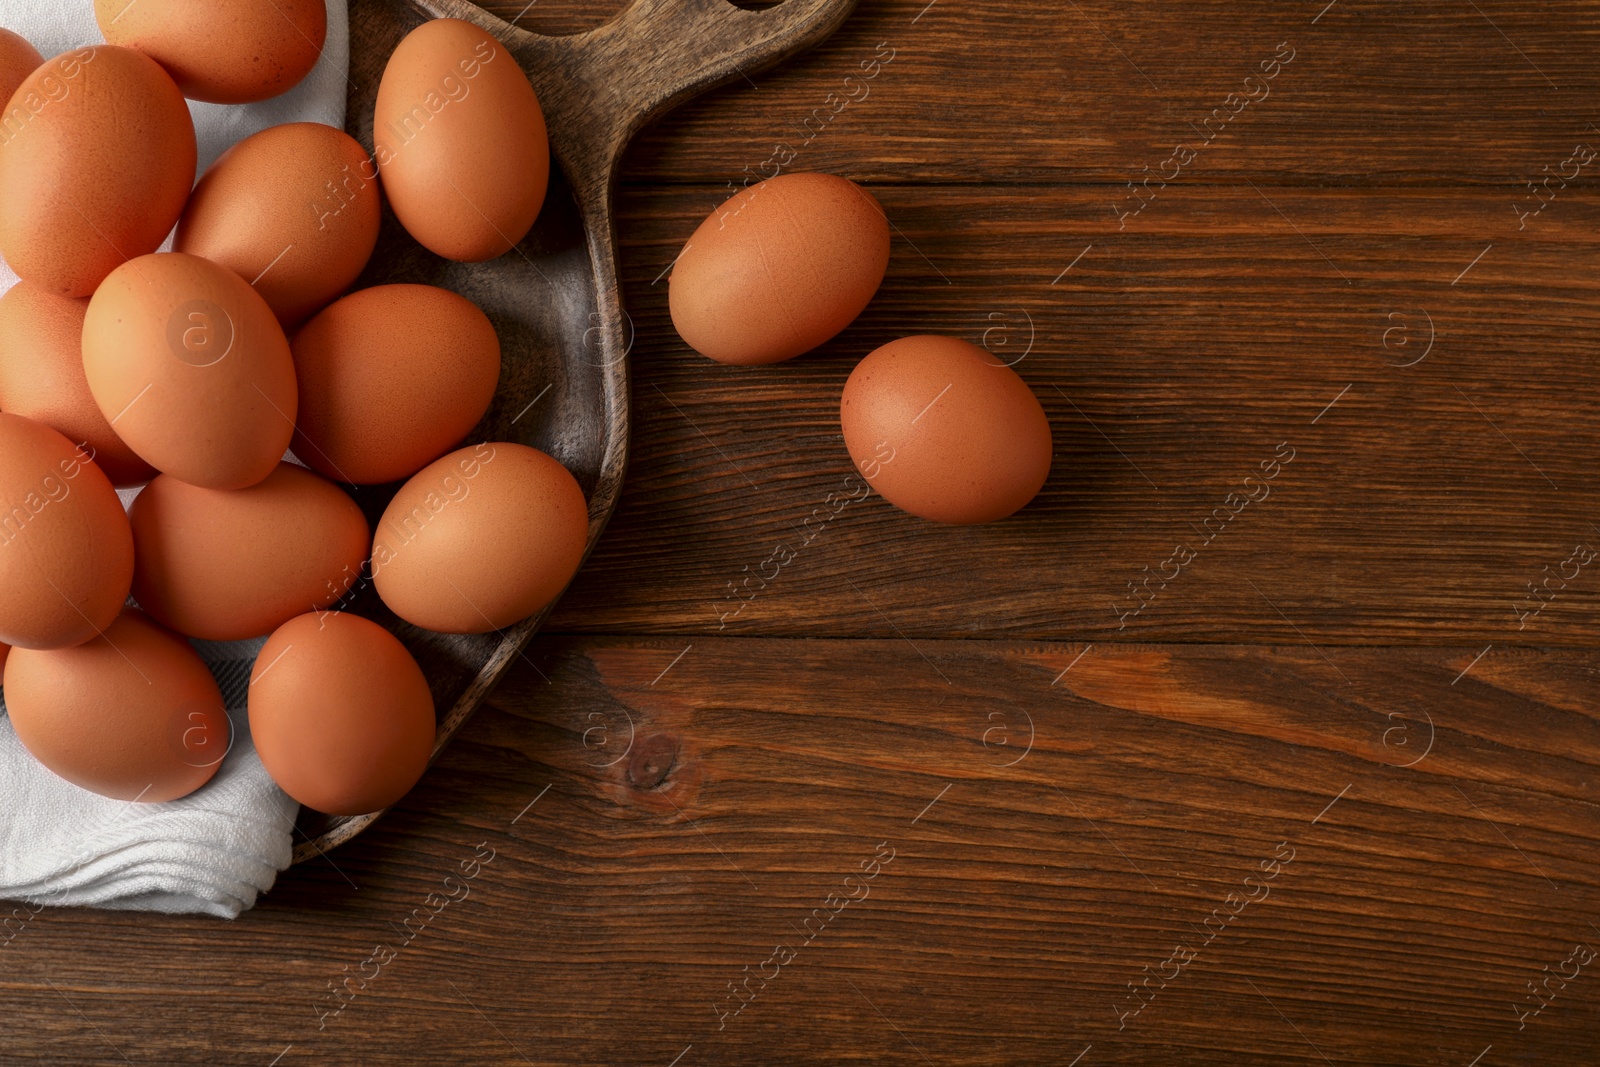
(945, 431)
(133, 714)
(222, 51)
(18, 59)
(480, 539)
(97, 155)
(192, 369)
(66, 552)
(293, 210)
(41, 376)
(460, 141)
(780, 268)
(391, 378)
(223, 565)
(340, 713)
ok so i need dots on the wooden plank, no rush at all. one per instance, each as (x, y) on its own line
(1221, 329)
(1403, 91)
(1420, 844)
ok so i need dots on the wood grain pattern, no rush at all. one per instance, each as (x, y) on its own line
(1380, 92)
(1036, 871)
(1173, 360)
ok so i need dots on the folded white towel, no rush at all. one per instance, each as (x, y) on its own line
(216, 849)
(211, 851)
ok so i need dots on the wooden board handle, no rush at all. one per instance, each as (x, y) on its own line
(600, 87)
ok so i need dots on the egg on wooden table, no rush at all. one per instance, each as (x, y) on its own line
(223, 565)
(460, 141)
(66, 551)
(18, 59)
(779, 269)
(133, 714)
(945, 431)
(340, 713)
(293, 210)
(41, 377)
(391, 378)
(191, 368)
(97, 154)
(222, 51)
(480, 539)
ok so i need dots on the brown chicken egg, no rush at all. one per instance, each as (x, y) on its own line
(480, 539)
(223, 565)
(460, 141)
(192, 370)
(780, 268)
(340, 713)
(945, 431)
(18, 59)
(133, 714)
(223, 51)
(5, 650)
(41, 377)
(66, 552)
(97, 155)
(391, 378)
(293, 210)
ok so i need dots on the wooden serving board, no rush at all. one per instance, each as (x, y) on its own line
(554, 299)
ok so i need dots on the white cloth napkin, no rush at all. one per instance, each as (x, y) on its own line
(216, 849)
(211, 851)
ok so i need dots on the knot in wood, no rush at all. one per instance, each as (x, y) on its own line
(652, 762)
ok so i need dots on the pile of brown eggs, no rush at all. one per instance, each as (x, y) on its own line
(192, 372)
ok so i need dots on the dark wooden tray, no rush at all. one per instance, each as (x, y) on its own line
(554, 299)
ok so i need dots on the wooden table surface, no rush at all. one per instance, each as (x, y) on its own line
(1168, 768)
